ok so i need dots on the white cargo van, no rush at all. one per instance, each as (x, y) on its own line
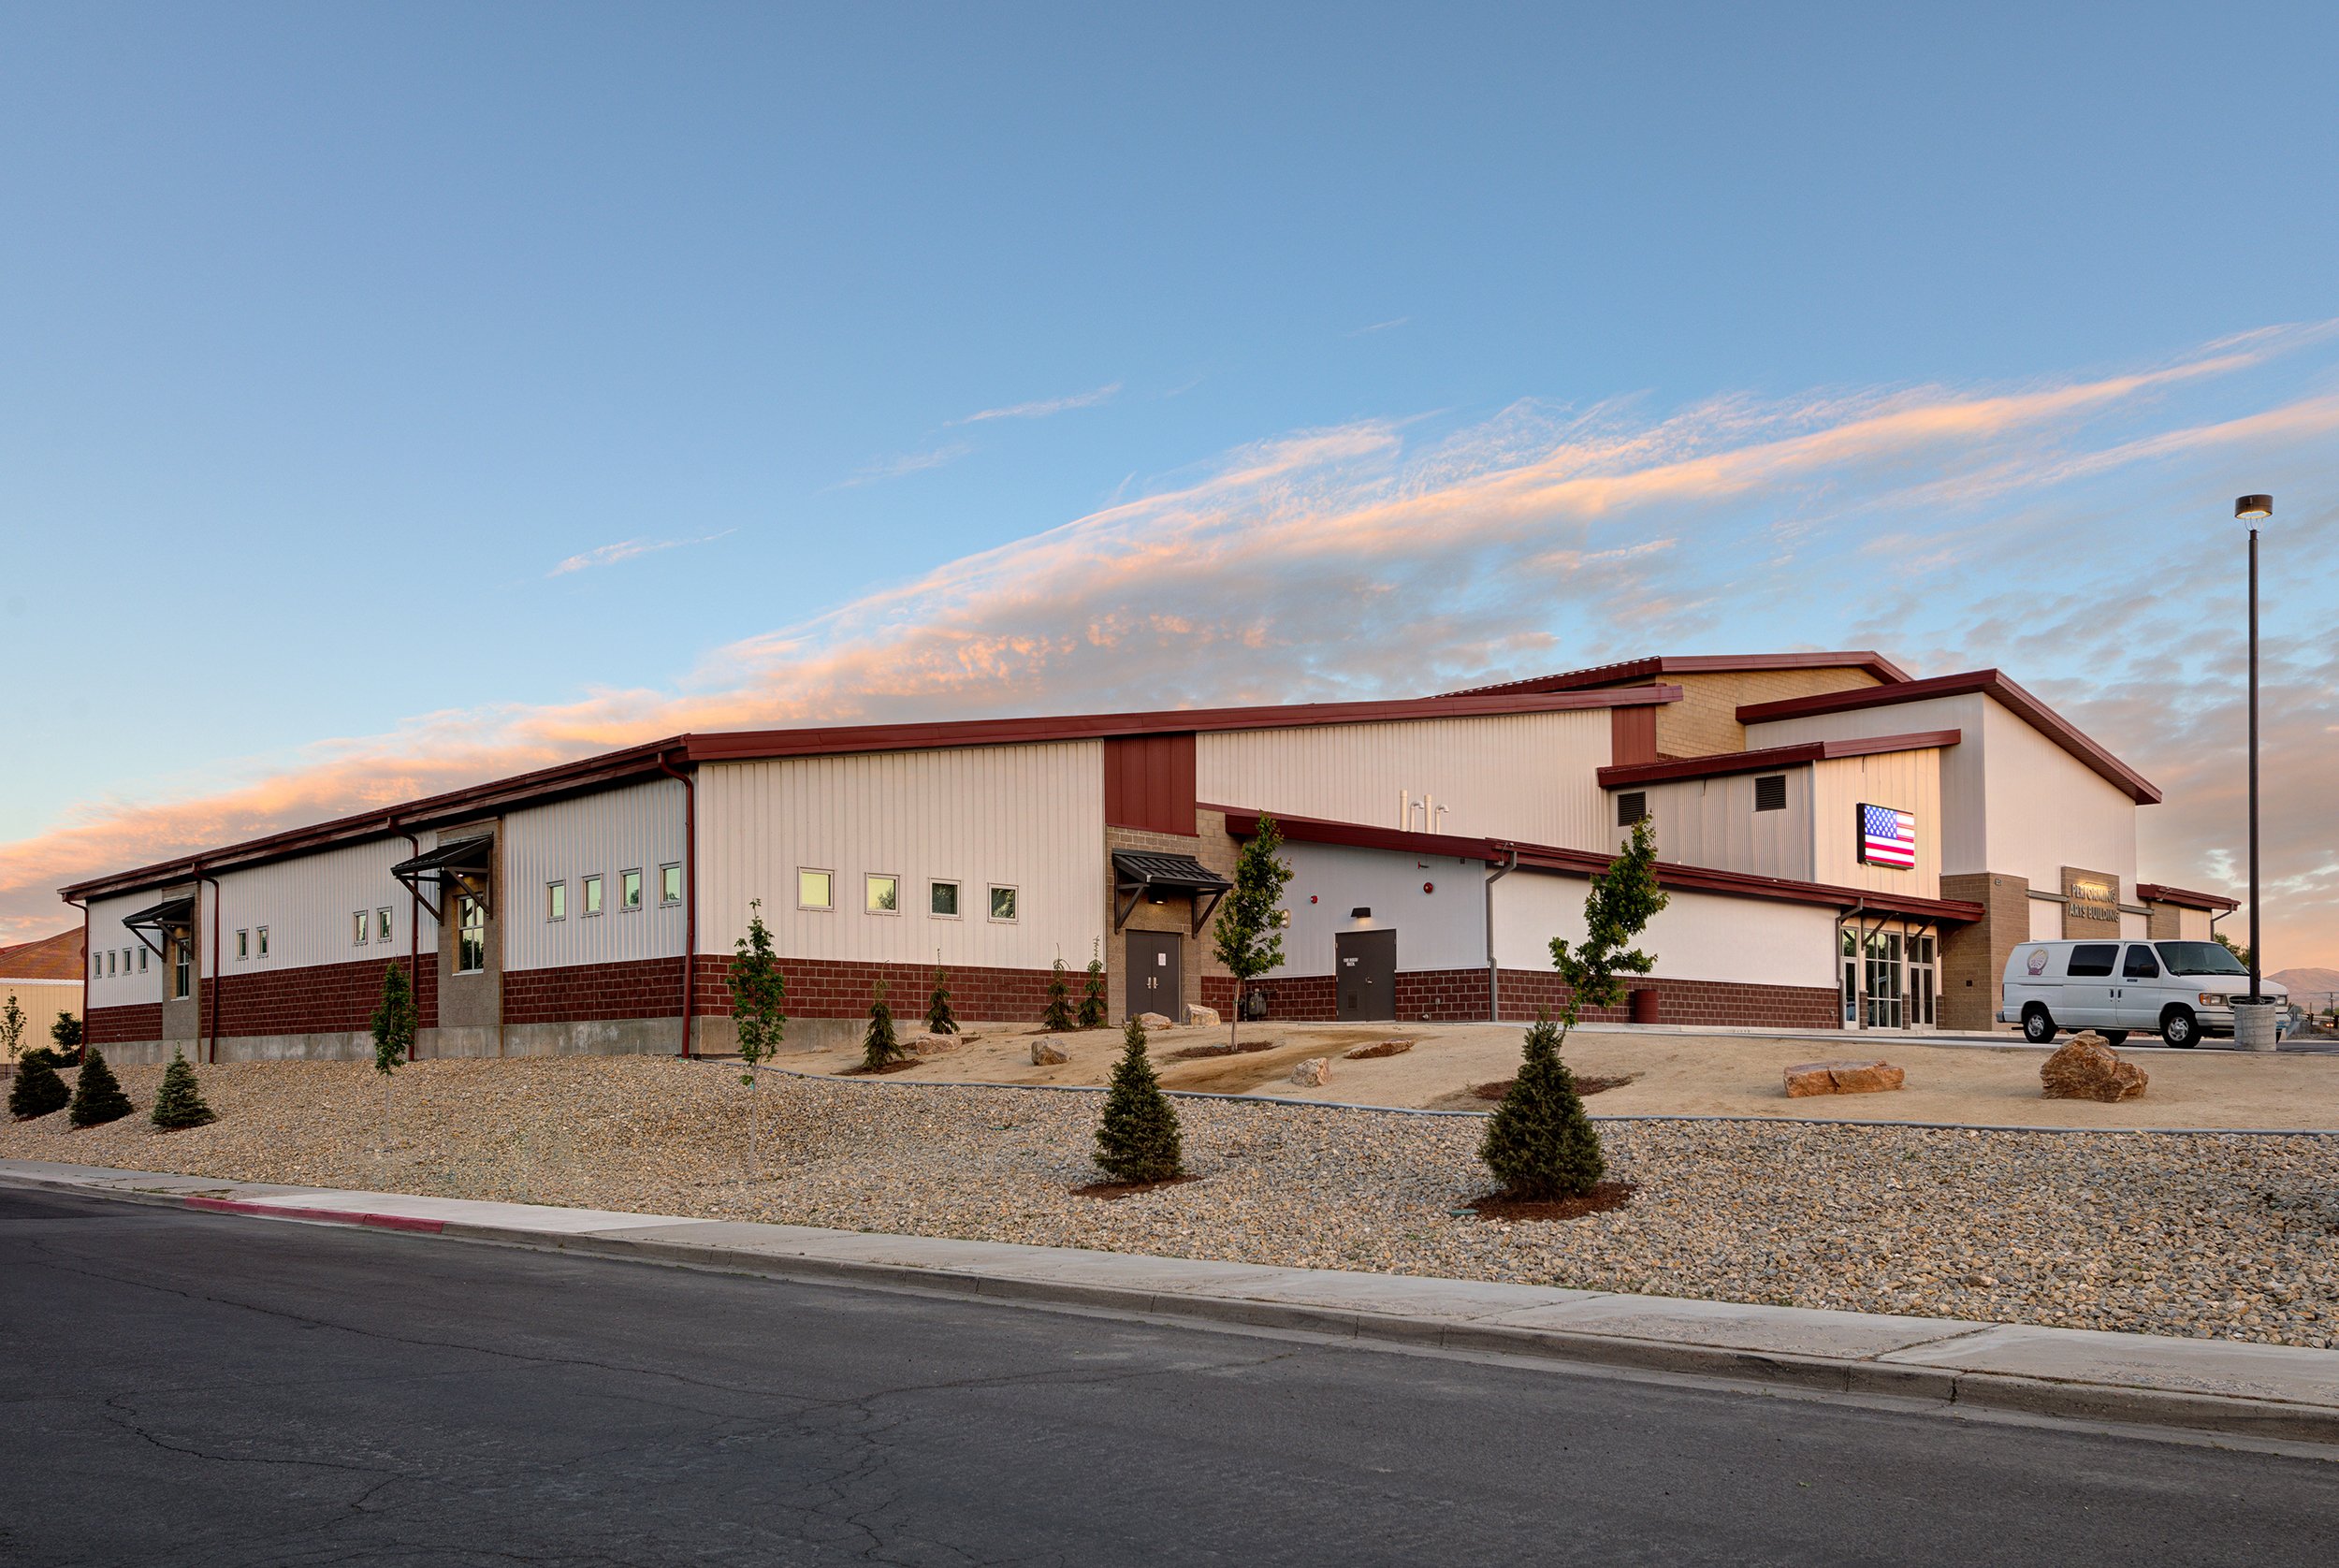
(2177, 990)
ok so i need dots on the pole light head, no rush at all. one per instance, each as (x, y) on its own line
(2250, 509)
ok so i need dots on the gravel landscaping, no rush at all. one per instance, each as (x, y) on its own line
(2204, 1235)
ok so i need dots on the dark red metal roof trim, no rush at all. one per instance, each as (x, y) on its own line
(1661, 665)
(1723, 762)
(2160, 893)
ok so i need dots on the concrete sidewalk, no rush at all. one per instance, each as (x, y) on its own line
(2261, 1391)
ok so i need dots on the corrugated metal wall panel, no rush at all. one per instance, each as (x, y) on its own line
(605, 834)
(108, 934)
(1712, 822)
(1027, 817)
(1149, 782)
(1698, 936)
(1965, 800)
(1441, 929)
(1528, 776)
(308, 904)
(1905, 781)
(2049, 810)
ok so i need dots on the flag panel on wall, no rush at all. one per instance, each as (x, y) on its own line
(1888, 838)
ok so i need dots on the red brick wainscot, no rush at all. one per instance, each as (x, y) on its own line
(834, 988)
(139, 1022)
(1288, 996)
(314, 998)
(1460, 996)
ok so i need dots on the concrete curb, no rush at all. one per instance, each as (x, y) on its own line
(1901, 1372)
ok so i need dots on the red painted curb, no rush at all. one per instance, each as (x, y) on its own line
(329, 1217)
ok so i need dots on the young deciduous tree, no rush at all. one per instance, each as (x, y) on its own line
(758, 990)
(939, 1017)
(13, 1025)
(98, 1098)
(178, 1103)
(880, 1046)
(1058, 1017)
(1093, 992)
(1249, 930)
(1137, 1139)
(1539, 1142)
(36, 1090)
(394, 1025)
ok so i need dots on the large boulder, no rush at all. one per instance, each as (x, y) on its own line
(1314, 1073)
(1842, 1078)
(1150, 1021)
(1048, 1053)
(1203, 1017)
(2087, 1068)
(933, 1045)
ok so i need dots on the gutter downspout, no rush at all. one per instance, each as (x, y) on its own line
(201, 876)
(414, 938)
(690, 896)
(84, 908)
(1494, 992)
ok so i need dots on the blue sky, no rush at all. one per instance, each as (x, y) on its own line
(332, 333)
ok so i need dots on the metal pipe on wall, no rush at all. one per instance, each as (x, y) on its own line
(413, 938)
(1494, 986)
(689, 896)
(211, 1053)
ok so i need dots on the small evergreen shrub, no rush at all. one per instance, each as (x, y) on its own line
(98, 1098)
(1539, 1142)
(880, 1046)
(178, 1103)
(939, 1017)
(38, 1089)
(1093, 993)
(1137, 1139)
(67, 1032)
(1058, 1018)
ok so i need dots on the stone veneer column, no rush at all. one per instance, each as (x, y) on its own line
(1973, 957)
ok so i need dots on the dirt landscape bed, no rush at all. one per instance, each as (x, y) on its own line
(2203, 1235)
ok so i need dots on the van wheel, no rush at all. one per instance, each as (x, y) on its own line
(2180, 1028)
(2037, 1027)
(2115, 1036)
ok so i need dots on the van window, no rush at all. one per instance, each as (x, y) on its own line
(2093, 960)
(2200, 958)
(2139, 964)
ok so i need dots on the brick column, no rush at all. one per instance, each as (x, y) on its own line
(1973, 957)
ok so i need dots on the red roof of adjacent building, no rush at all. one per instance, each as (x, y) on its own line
(62, 957)
(1662, 665)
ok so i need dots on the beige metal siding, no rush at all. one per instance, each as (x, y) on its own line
(1965, 820)
(108, 934)
(2049, 810)
(306, 904)
(40, 1001)
(1698, 936)
(1524, 777)
(1904, 780)
(1030, 817)
(636, 828)
(1712, 822)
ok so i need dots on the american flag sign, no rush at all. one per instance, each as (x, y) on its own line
(1888, 838)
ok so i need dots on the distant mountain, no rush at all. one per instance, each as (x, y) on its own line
(2301, 981)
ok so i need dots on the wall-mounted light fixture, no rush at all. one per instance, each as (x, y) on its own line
(1362, 911)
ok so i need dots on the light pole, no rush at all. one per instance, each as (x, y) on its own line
(2254, 510)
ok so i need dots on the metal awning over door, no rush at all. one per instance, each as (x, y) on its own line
(466, 866)
(1145, 873)
(171, 920)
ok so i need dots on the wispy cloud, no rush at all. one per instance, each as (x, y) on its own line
(1389, 556)
(609, 555)
(1379, 326)
(1042, 408)
(911, 462)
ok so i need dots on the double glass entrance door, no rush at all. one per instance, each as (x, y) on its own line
(1890, 979)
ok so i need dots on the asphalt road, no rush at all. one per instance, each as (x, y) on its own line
(186, 1388)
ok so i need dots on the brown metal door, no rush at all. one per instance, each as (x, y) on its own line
(1366, 974)
(1157, 980)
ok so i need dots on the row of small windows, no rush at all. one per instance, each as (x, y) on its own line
(590, 893)
(881, 895)
(1771, 794)
(116, 960)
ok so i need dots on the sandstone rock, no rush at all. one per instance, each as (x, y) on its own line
(1153, 1020)
(1206, 1018)
(1047, 1053)
(1385, 1048)
(1842, 1078)
(2087, 1068)
(933, 1045)
(1313, 1073)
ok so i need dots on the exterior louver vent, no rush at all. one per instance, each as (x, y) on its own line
(1770, 792)
(1631, 807)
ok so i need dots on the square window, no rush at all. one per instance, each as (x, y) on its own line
(592, 893)
(243, 944)
(263, 934)
(942, 898)
(381, 926)
(629, 889)
(883, 894)
(1003, 904)
(556, 901)
(670, 884)
(360, 925)
(815, 890)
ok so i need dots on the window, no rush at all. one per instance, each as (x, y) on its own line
(2093, 960)
(471, 935)
(141, 960)
(1002, 902)
(629, 889)
(1770, 792)
(883, 894)
(670, 884)
(556, 901)
(1632, 806)
(183, 970)
(263, 936)
(942, 898)
(815, 890)
(243, 944)
(111, 959)
(592, 893)
(2200, 958)
(360, 924)
(381, 926)
(2139, 964)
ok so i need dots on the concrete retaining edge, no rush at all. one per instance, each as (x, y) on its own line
(2111, 1403)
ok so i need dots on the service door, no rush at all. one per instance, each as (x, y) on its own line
(1157, 983)
(1366, 966)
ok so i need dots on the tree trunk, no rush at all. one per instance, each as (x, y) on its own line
(1234, 1016)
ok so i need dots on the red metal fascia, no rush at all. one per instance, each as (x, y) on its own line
(1724, 762)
